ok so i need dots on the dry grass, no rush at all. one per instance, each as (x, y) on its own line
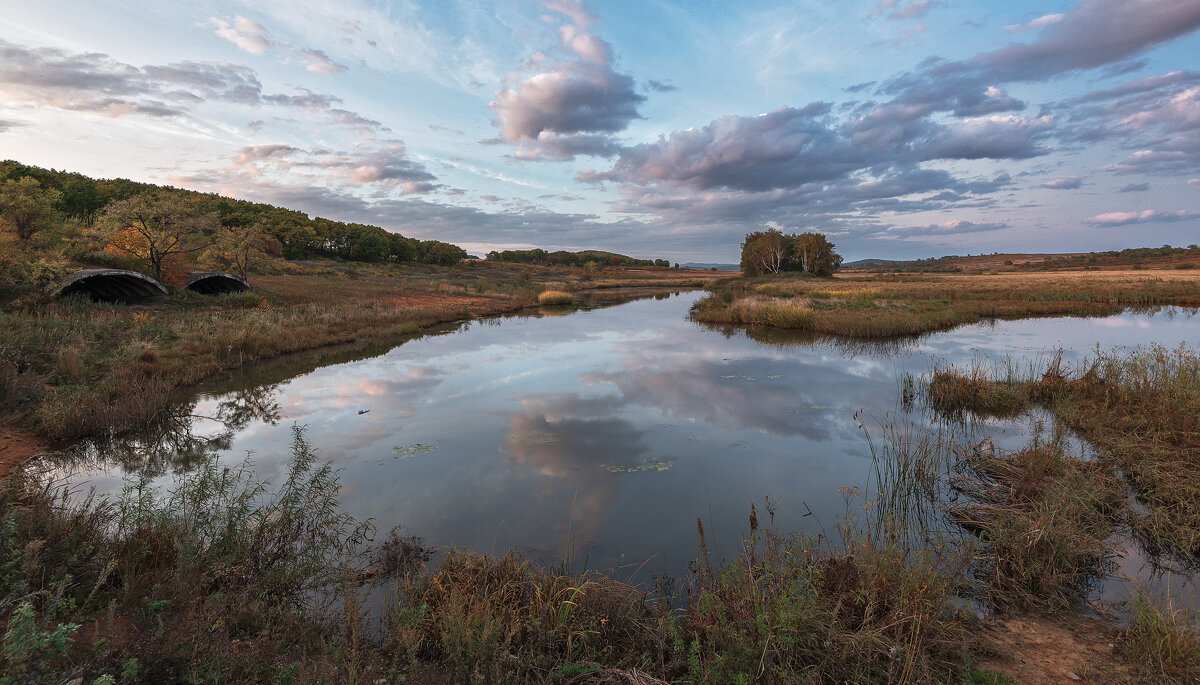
(875, 305)
(555, 297)
(1141, 409)
(1043, 521)
(1162, 643)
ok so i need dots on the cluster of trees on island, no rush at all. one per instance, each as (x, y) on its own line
(772, 251)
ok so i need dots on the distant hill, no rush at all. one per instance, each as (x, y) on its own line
(867, 262)
(706, 266)
(1165, 257)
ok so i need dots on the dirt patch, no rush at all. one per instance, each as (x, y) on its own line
(1041, 649)
(15, 449)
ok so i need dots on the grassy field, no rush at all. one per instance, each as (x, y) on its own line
(886, 305)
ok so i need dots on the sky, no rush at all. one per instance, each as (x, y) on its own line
(656, 128)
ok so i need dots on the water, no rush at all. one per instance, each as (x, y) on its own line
(608, 431)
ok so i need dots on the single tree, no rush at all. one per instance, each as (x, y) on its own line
(156, 227)
(28, 206)
(240, 248)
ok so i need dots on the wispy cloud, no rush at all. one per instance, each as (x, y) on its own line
(247, 34)
(1145, 216)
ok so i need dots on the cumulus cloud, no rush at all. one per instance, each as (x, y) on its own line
(318, 62)
(1145, 216)
(994, 137)
(1063, 183)
(1134, 188)
(572, 107)
(247, 34)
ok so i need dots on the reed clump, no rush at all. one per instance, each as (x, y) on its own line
(1042, 519)
(955, 391)
(800, 609)
(555, 297)
(1161, 643)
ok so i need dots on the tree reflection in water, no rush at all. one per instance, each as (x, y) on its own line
(179, 438)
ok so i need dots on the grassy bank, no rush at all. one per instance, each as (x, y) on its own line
(882, 305)
(1141, 410)
(72, 369)
(221, 578)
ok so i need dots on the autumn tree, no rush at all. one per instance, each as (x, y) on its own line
(239, 248)
(27, 206)
(765, 252)
(813, 253)
(157, 228)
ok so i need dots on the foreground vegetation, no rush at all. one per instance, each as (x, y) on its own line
(880, 306)
(221, 578)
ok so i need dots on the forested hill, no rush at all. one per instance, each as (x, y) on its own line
(84, 198)
(565, 258)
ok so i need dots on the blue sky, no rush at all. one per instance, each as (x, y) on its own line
(900, 128)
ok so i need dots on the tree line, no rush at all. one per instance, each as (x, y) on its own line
(772, 251)
(565, 258)
(160, 223)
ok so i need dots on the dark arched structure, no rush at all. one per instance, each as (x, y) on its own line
(215, 283)
(113, 285)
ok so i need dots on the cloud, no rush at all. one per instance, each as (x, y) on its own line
(248, 35)
(6, 124)
(318, 62)
(994, 137)
(384, 163)
(1093, 34)
(953, 227)
(1134, 188)
(95, 82)
(572, 107)
(1146, 216)
(1194, 181)
(1034, 24)
(1063, 183)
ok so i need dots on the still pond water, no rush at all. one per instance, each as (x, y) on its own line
(610, 429)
